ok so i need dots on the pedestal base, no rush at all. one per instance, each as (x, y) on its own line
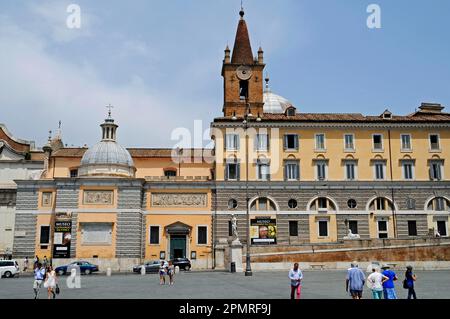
(236, 255)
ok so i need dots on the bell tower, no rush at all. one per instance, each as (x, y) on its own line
(243, 75)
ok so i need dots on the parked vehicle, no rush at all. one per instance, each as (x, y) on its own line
(183, 263)
(85, 268)
(9, 268)
(150, 266)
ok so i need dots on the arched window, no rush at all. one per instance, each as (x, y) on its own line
(263, 204)
(439, 204)
(322, 204)
(381, 203)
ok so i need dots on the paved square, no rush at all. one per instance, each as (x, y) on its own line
(219, 285)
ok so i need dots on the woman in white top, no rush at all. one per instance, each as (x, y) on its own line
(50, 282)
(375, 282)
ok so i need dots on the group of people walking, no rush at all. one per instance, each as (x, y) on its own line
(381, 282)
(166, 268)
(45, 276)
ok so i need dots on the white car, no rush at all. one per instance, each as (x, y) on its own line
(9, 268)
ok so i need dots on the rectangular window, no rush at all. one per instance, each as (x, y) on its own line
(408, 170)
(232, 171)
(293, 228)
(412, 228)
(377, 142)
(322, 203)
(382, 229)
(348, 141)
(170, 173)
(154, 235)
(406, 142)
(263, 170)
(442, 227)
(434, 142)
(379, 170)
(323, 228)
(440, 204)
(202, 238)
(321, 168)
(320, 141)
(45, 235)
(353, 226)
(436, 170)
(292, 171)
(380, 203)
(262, 204)
(73, 173)
(232, 142)
(230, 228)
(262, 142)
(291, 142)
(350, 170)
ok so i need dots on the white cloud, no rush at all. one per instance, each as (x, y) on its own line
(53, 14)
(41, 88)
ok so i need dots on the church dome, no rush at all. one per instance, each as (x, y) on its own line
(107, 158)
(274, 103)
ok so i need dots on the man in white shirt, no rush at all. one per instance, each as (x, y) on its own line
(375, 283)
(296, 276)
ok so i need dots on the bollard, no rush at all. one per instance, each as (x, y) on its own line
(108, 272)
(177, 269)
(143, 270)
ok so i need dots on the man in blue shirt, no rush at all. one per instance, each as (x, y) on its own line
(355, 281)
(388, 285)
(39, 274)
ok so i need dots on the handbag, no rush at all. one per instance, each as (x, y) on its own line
(57, 290)
(405, 284)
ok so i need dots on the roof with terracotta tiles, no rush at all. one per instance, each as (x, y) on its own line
(135, 152)
(349, 117)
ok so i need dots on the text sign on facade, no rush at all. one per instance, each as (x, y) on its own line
(179, 200)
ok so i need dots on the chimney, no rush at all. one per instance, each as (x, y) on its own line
(431, 108)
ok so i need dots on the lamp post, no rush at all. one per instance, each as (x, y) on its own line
(247, 116)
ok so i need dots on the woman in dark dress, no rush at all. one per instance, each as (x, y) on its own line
(410, 279)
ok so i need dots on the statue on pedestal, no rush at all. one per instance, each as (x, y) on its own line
(234, 229)
(350, 235)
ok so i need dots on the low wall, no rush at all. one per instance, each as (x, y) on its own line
(424, 253)
(310, 266)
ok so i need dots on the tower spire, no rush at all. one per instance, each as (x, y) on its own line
(242, 50)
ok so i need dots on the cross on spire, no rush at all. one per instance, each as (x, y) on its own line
(109, 107)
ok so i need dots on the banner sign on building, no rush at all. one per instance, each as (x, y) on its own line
(263, 231)
(62, 238)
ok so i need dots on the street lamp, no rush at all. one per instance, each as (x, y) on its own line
(247, 116)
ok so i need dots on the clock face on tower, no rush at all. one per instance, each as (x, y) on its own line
(244, 72)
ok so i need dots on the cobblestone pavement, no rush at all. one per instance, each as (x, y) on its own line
(219, 285)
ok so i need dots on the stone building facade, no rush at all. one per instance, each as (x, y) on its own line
(317, 178)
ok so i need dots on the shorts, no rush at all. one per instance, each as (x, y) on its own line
(356, 293)
(37, 284)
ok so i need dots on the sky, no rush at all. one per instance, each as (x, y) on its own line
(158, 62)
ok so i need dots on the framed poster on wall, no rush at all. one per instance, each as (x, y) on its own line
(62, 238)
(263, 231)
